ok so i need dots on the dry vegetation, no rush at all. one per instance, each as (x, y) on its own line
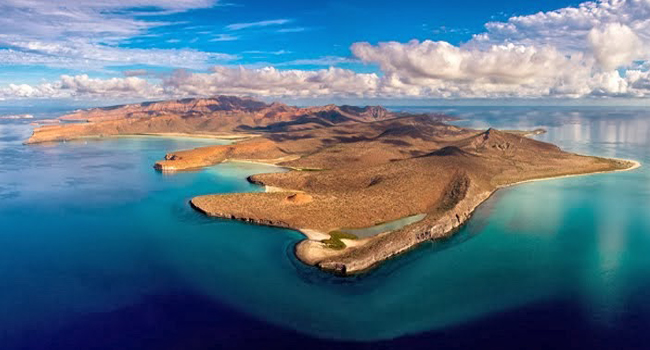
(373, 166)
(383, 171)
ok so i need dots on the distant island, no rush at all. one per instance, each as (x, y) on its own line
(364, 185)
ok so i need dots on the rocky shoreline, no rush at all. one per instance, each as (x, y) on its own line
(414, 235)
(349, 168)
(359, 258)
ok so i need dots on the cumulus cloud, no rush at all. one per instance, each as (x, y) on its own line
(270, 81)
(597, 49)
(615, 45)
(84, 86)
(420, 62)
(570, 52)
(638, 80)
(267, 81)
(567, 28)
(439, 69)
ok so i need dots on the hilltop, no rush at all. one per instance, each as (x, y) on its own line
(216, 116)
(358, 176)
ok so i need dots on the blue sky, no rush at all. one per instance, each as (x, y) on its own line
(464, 49)
(306, 30)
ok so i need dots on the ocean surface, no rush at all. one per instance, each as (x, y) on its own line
(99, 251)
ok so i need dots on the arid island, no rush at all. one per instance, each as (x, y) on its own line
(351, 168)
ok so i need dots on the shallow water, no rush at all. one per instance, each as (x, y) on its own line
(97, 250)
(385, 227)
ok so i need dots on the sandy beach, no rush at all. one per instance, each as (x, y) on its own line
(635, 165)
(218, 136)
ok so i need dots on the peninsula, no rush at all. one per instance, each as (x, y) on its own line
(350, 168)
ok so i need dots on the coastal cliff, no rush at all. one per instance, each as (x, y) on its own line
(361, 259)
(350, 168)
(401, 168)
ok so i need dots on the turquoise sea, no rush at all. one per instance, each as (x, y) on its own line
(99, 251)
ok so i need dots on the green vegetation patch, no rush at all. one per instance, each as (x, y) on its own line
(334, 242)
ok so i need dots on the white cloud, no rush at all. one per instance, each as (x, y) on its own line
(54, 19)
(438, 60)
(638, 81)
(260, 52)
(13, 57)
(273, 22)
(267, 81)
(568, 28)
(570, 52)
(224, 37)
(80, 54)
(292, 30)
(439, 69)
(84, 34)
(615, 45)
(598, 49)
(83, 86)
(270, 81)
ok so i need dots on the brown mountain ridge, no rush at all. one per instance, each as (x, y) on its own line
(351, 168)
(217, 116)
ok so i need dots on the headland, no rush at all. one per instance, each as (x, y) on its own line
(350, 168)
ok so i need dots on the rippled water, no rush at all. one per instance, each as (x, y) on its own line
(97, 250)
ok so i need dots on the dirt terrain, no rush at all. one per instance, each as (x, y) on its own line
(351, 168)
(217, 116)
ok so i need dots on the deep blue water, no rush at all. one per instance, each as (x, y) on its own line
(99, 251)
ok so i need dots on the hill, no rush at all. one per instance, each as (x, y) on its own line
(214, 116)
(351, 168)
